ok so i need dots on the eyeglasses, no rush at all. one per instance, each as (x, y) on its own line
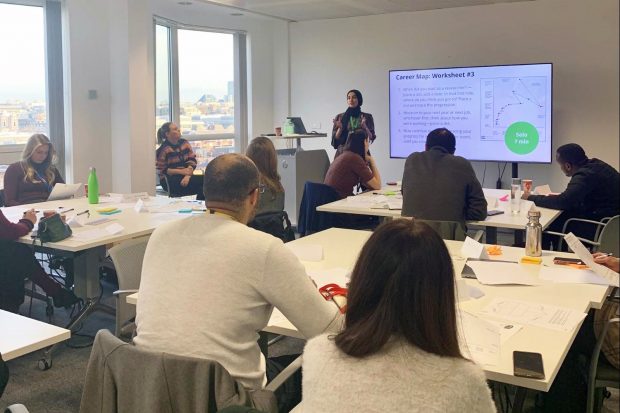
(260, 187)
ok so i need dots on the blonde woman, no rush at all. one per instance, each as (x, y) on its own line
(262, 152)
(32, 179)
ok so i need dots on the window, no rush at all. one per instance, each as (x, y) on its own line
(196, 81)
(23, 106)
(31, 84)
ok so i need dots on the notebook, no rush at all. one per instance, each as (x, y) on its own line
(64, 191)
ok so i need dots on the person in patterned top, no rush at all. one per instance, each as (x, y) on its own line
(176, 161)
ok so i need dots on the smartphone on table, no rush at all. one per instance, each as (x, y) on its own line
(567, 261)
(494, 212)
(528, 365)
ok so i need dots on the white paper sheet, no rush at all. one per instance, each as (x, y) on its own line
(586, 257)
(90, 235)
(465, 292)
(506, 329)
(338, 276)
(479, 339)
(563, 274)
(140, 207)
(473, 249)
(114, 228)
(536, 314)
(306, 252)
(542, 190)
(496, 273)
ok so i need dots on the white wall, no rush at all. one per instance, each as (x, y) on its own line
(108, 47)
(329, 57)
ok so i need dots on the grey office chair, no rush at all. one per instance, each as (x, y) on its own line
(601, 373)
(450, 230)
(127, 258)
(121, 374)
(605, 237)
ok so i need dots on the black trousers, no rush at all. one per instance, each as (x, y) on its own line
(17, 262)
(194, 187)
(289, 393)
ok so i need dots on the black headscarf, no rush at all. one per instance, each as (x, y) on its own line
(351, 112)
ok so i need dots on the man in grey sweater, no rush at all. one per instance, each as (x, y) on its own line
(209, 282)
(439, 186)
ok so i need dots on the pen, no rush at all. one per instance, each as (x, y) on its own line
(68, 210)
(82, 213)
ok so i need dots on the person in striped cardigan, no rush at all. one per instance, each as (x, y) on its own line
(176, 161)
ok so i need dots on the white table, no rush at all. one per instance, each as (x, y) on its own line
(22, 335)
(341, 248)
(88, 254)
(506, 220)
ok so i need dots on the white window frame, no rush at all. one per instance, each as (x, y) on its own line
(240, 136)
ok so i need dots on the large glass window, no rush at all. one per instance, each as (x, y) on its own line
(163, 111)
(195, 87)
(23, 106)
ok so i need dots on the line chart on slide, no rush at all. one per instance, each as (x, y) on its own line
(508, 100)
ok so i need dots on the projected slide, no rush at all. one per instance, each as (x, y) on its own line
(497, 113)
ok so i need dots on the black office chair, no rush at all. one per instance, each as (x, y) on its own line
(309, 219)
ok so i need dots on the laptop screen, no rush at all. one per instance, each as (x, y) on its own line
(299, 125)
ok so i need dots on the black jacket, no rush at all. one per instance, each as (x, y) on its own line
(592, 193)
(442, 187)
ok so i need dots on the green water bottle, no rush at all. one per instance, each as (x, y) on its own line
(93, 187)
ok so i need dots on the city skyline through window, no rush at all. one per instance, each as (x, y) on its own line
(23, 106)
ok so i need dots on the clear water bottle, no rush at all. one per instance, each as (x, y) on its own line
(515, 195)
(533, 234)
(93, 187)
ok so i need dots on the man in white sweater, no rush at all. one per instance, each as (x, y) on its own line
(209, 283)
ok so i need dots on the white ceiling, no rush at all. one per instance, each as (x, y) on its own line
(300, 10)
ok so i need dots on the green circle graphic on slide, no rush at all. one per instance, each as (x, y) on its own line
(521, 138)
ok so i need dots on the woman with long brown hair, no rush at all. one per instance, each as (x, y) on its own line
(32, 179)
(263, 153)
(399, 349)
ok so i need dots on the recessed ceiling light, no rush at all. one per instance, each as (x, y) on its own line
(185, 3)
(236, 14)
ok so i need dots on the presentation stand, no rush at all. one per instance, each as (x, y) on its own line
(295, 167)
(297, 136)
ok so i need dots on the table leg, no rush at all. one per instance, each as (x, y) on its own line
(490, 236)
(86, 286)
(519, 234)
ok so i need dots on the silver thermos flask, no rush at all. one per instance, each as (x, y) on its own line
(533, 235)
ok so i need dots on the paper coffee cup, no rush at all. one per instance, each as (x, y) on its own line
(527, 185)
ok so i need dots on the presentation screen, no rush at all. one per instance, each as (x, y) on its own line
(497, 113)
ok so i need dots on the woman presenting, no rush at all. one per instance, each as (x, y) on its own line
(353, 118)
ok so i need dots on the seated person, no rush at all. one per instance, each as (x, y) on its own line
(592, 193)
(354, 166)
(222, 280)
(262, 152)
(439, 186)
(32, 179)
(175, 159)
(399, 348)
(19, 263)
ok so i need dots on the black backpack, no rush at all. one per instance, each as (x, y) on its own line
(274, 223)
